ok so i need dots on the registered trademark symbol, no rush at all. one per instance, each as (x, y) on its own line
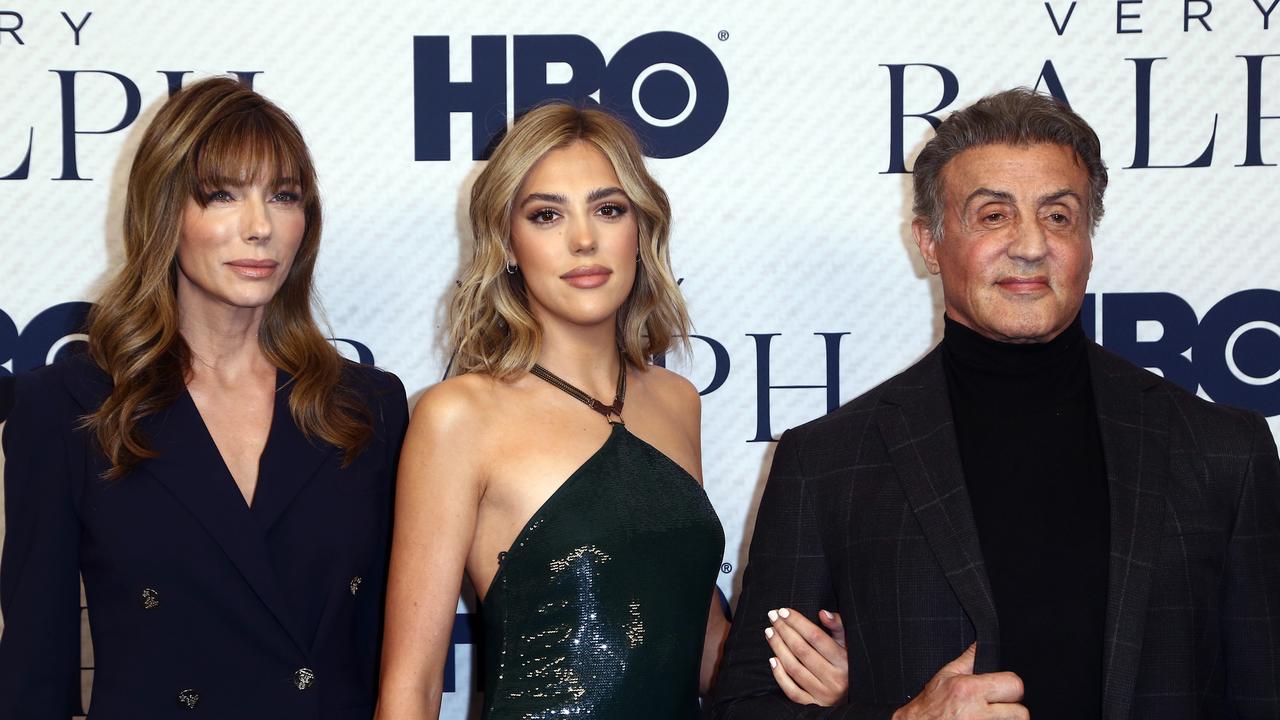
(726, 568)
(723, 35)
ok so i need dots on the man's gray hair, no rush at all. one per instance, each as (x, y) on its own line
(1017, 117)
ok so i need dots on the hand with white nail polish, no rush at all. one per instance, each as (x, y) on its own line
(810, 665)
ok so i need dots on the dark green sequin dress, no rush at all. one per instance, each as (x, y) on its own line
(599, 608)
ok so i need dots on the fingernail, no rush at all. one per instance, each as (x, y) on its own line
(773, 662)
(827, 614)
(784, 613)
(768, 632)
(773, 616)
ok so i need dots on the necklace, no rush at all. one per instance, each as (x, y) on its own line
(609, 412)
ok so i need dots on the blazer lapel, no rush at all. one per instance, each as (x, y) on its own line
(916, 423)
(190, 467)
(88, 384)
(288, 462)
(1135, 442)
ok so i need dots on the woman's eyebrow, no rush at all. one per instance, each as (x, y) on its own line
(604, 192)
(543, 197)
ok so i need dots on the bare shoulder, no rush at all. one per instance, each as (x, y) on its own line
(455, 408)
(672, 386)
(675, 393)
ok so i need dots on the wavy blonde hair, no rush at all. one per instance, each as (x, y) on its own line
(490, 325)
(214, 130)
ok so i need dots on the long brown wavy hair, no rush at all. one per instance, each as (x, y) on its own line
(490, 324)
(211, 130)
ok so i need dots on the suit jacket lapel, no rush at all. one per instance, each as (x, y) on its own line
(1135, 442)
(288, 462)
(190, 467)
(916, 423)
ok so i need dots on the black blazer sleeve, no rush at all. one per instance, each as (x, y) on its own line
(1251, 607)
(393, 408)
(395, 418)
(39, 570)
(786, 567)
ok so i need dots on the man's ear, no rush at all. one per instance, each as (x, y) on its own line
(922, 229)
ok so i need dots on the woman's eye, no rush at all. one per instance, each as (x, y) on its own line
(218, 196)
(543, 216)
(612, 210)
(285, 197)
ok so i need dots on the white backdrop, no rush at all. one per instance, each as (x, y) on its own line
(787, 219)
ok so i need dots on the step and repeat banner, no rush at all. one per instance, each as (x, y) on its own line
(784, 136)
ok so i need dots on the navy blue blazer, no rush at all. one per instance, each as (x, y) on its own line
(199, 604)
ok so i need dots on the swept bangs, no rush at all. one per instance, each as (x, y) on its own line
(255, 145)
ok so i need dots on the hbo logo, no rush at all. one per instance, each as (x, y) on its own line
(669, 87)
(1232, 352)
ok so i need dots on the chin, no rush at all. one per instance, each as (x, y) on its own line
(1022, 322)
(581, 310)
(249, 301)
(592, 313)
(1025, 330)
(586, 317)
(593, 319)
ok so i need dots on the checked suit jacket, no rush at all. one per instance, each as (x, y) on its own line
(866, 512)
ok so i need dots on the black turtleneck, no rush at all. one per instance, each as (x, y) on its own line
(1033, 466)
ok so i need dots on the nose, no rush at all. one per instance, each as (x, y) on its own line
(1030, 243)
(581, 235)
(255, 220)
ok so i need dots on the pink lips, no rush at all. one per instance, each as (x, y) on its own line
(256, 269)
(587, 276)
(1033, 284)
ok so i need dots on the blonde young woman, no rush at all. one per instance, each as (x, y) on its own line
(216, 472)
(559, 469)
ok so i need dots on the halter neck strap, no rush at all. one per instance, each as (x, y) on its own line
(609, 411)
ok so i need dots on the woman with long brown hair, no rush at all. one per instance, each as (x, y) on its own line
(218, 475)
(559, 468)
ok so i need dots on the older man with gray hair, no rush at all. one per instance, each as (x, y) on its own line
(1021, 523)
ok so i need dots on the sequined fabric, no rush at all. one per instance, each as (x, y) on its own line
(600, 606)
